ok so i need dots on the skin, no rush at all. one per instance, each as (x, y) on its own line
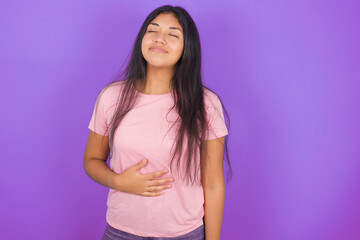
(160, 68)
(212, 177)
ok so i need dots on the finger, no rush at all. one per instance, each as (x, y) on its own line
(140, 164)
(152, 194)
(156, 174)
(157, 188)
(161, 181)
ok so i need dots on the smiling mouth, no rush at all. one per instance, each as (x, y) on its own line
(157, 50)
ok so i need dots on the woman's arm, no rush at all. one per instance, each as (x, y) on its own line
(96, 152)
(130, 180)
(214, 187)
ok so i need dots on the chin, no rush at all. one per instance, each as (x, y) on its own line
(158, 63)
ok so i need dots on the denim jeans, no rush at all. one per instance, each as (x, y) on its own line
(116, 234)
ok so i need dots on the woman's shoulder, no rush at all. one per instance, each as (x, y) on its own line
(211, 99)
(111, 91)
(113, 87)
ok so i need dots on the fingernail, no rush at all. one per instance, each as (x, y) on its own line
(144, 161)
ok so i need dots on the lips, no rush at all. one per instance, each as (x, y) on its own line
(158, 49)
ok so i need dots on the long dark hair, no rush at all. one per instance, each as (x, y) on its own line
(188, 92)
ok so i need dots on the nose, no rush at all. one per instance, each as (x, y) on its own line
(159, 38)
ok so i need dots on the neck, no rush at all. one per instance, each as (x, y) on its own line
(158, 80)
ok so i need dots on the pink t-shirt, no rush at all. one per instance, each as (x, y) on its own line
(144, 133)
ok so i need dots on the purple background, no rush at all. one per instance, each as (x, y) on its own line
(287, 72)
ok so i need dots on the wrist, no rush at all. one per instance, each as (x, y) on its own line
(113, 181)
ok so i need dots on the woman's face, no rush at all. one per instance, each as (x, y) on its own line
(164, 33)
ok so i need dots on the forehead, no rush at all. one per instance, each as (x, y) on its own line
(166, 20)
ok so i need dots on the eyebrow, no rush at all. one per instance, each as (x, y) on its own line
(169, 27)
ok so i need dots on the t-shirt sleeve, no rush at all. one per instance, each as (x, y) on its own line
(216, 121)
(99, 122)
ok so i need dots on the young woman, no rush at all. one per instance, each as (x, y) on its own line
(165, 135)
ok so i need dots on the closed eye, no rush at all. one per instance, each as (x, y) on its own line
(169, 34)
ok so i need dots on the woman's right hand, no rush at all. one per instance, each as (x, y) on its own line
(131, 181)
